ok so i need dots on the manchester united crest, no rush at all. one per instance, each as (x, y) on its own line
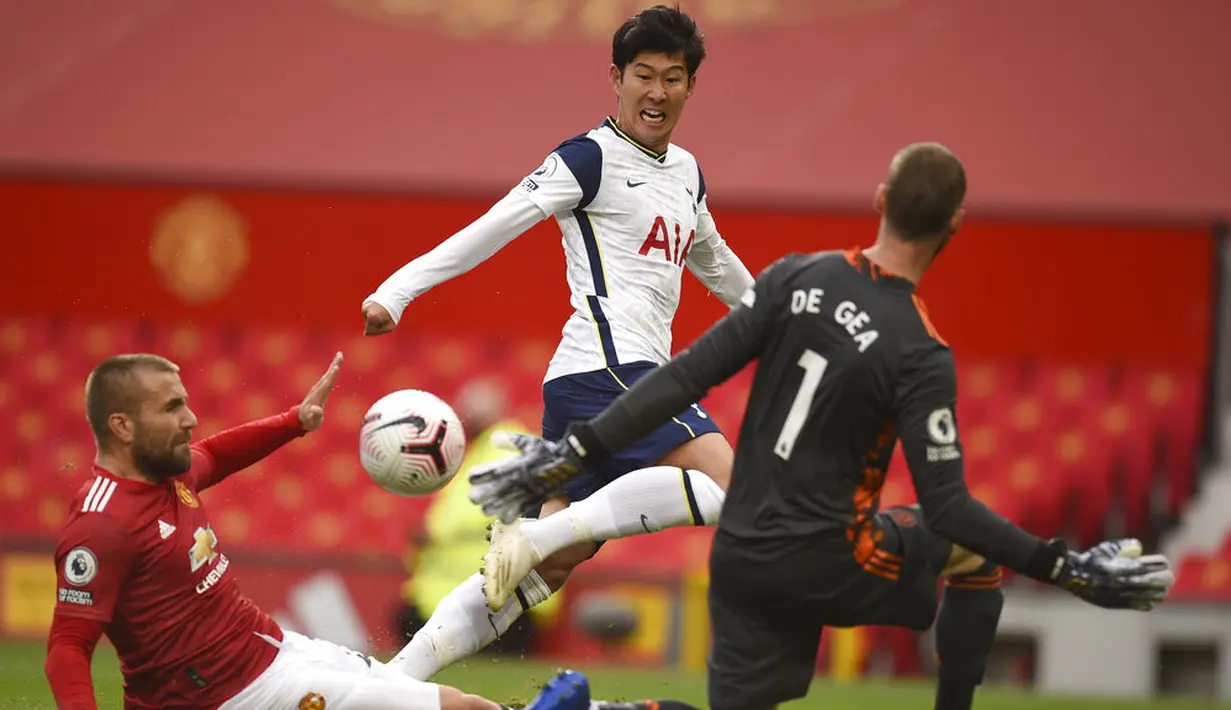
(312, 701)
(185, 495)
(200, 246)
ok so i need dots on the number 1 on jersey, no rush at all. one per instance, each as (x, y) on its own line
(814, 368)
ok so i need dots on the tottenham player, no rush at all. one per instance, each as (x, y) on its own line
(139, 561)
(848, 362)
(633, 211)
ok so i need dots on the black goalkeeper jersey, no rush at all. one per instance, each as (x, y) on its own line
(849, 364)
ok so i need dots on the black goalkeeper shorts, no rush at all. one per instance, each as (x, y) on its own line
(764, 644)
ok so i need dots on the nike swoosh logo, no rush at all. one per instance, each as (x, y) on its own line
(635, 184)
(645, 523)
(415, 419)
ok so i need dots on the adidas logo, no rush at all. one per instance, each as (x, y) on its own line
(165, 529)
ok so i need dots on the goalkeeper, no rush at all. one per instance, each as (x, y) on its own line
(848, 363)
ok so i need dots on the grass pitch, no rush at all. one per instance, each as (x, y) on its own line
(24, 687)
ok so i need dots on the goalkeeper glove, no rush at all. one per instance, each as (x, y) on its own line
(1111, 575)
(506, 488)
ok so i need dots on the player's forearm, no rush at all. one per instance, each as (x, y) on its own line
(505, 221)
(717, 266)
(68, 673)
(69, 649)
(734, 279)
(952, 513)
(237, 448)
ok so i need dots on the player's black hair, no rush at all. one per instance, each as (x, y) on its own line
(112, 387)
(658, 29)
(926, 186)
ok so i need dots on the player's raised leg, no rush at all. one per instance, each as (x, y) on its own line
(646, 500)
(898, 587)
(687, 489)
(965, 627)
(463, 624)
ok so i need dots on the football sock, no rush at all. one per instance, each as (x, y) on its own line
(965, 630)
(643, 501)
(462, 624)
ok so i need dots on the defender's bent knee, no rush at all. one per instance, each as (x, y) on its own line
(709, 453)
(961, 562)
(558, 566)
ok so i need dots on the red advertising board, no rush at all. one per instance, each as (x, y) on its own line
(1072, 291)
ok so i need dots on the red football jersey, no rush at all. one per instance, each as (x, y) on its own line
(143, 559)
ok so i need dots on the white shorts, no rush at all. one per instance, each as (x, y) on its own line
(311, 674)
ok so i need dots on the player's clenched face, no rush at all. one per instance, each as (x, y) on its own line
(652, 91)
(162, 428)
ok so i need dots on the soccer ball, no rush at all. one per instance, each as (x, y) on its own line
(411, 442)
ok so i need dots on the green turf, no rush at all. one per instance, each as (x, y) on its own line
(23, 686)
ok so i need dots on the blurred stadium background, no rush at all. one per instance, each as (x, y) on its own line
(223, 182)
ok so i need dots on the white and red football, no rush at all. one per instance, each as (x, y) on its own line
(411, 442)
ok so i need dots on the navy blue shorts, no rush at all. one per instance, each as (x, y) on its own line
(582, 396)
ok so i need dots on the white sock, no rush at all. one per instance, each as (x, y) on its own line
(462, 625)
(646, 500)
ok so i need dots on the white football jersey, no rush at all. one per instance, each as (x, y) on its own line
(631, 221)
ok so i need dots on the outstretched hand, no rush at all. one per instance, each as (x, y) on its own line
(312, 409)
(1114, 574)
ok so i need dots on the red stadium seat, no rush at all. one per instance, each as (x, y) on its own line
(1172, 404)
(1200, 577)
(1044, 443)
(1064, 388)
(979, 383)
(980, 450)
(1127, 438)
